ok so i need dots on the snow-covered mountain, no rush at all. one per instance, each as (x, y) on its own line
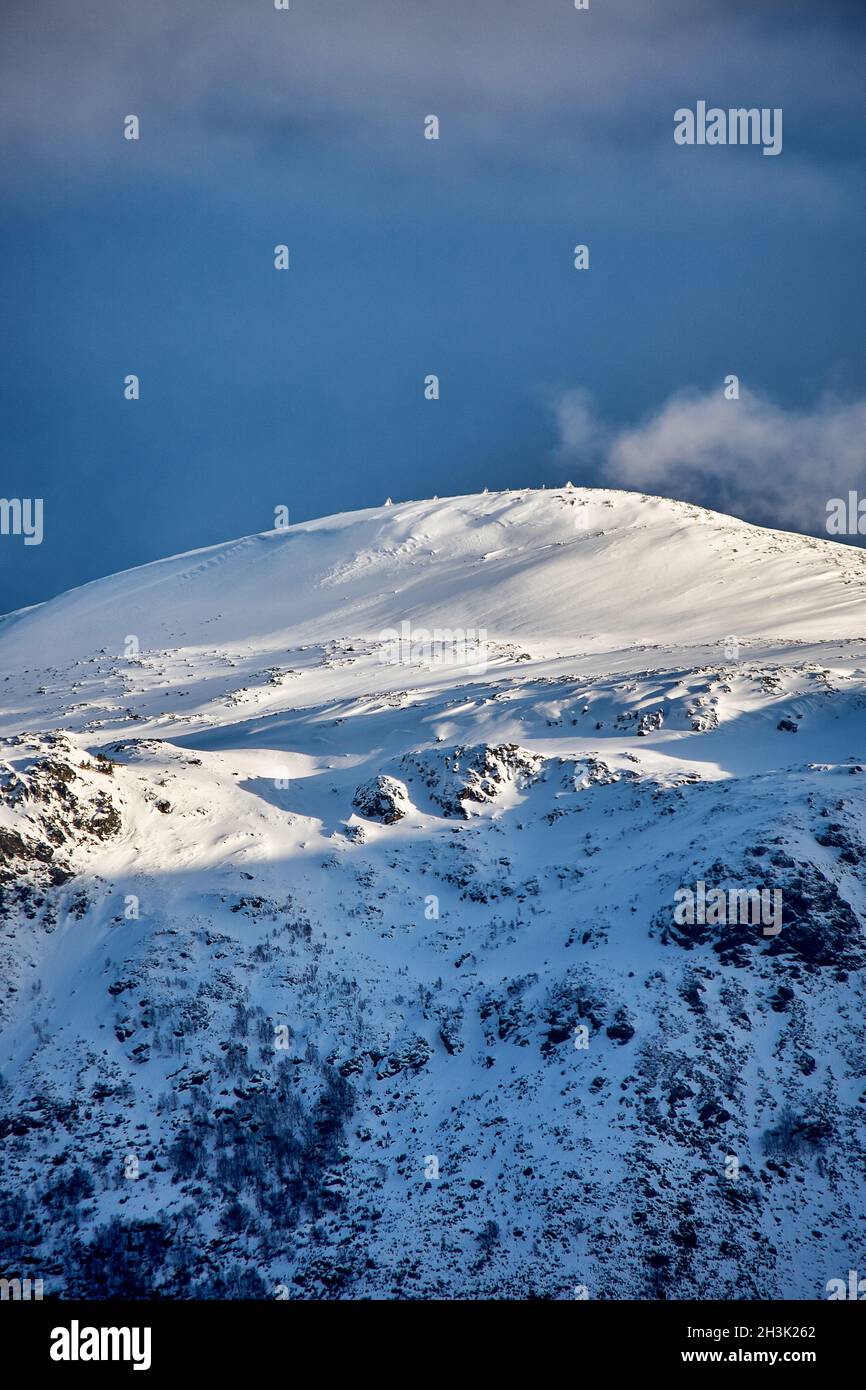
(339, 939)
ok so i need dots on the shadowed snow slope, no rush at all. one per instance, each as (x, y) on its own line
(334, 968)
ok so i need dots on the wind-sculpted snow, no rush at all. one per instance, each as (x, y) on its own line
(326, 975)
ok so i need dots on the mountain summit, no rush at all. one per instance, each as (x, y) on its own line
(580, 566)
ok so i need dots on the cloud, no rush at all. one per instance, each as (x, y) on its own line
(749, 457)
(219, 75)
(581, 433)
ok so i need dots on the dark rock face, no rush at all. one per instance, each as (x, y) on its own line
(621, 1030)
(819, 927)
(49, 790)
(57, 809)
(474, 775)
(382, 799)
(413, 1055)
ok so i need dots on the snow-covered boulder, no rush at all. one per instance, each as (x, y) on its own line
(382, 798)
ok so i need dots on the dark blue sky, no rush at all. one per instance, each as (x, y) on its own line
(410, 257)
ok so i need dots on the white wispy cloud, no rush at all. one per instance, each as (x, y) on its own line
(750, 457)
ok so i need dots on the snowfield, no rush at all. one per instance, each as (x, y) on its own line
(329, 975)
